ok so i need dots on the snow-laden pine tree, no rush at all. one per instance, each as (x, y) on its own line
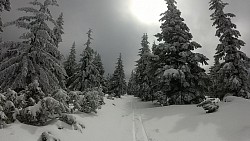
(4, 5)
(132, 86)
(118, 84)
(37, 57)
(58, 30)
(230, 69)
(70, 64)
(141, 74)
(87, 74)
(181, 80)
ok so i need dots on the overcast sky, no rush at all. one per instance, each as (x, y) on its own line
(118, 25)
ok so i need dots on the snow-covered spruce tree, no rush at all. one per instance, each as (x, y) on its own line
(180, 77)
(37, 57)
(98, 63)
(70, 64)
(4, 5)
(132, 86)
(230, 69)
(58, 30)
(117, 83)
(87, 74)
(141, 74)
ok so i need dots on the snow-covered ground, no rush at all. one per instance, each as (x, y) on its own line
(128, 119)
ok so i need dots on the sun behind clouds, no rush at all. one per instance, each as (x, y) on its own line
(148, 11)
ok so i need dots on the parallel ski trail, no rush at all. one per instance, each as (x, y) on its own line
(141, 134)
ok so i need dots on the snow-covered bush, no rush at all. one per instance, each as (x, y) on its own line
(32, 94)
(90, 101)
(63, 98)
(71, 120)
(11, 95)
(10, 111)
(3, 118)
(45, 110)
(20, 101)
(233, 99)
(161, 98)
(48, 136)
(2, 99)
(209, 106)
(74, 96)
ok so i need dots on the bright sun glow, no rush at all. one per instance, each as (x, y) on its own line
(148, 11)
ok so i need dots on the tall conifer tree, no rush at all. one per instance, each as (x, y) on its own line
(132, 85)
(37, 57)
(230, 69)
(70, 64)
(141, 75)
(118, 84)
(87, 74)
(180, 77)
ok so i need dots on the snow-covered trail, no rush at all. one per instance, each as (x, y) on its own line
(118, 120)
(129, 119)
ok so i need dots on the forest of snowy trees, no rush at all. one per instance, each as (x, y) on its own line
(172, 72)
(37, 85)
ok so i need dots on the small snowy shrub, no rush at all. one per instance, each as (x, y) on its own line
(3, 118)
(10, 111)
(63, 98)
(32, 94)
(48, 136)
(69, 119)
(2, 99)
(90, 101)
(161, 98)
(209, 106)
(45, 110)
(74, 96)
(11, 95)
(20, 101)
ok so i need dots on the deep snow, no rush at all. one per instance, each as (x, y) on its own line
(129, 119)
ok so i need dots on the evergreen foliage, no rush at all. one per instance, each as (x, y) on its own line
(132, 86)
(177, 69)
(4, 5)
(99, 65)
(37, 57)
(229, 73)
(70, 64)
(117, 82)
(141, 75)
(87, 74)
(88, 101)
(58, 30)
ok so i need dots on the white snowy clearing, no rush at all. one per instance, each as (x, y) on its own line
(128, 119)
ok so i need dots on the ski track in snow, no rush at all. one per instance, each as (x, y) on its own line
(139, 133)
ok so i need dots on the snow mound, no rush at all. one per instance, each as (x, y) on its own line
(234, 99)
